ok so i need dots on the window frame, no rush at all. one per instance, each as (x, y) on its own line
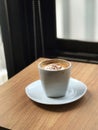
(74, 49)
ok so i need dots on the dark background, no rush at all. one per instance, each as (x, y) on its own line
(29, 32)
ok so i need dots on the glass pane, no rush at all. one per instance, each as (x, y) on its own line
(3, 70)
(77, 19)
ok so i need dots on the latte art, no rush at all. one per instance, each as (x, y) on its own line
(53, 67)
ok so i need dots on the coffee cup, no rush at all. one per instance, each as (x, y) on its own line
(54, 76)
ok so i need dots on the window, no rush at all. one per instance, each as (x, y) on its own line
(69, 45)
(77, 20)
(3, 70)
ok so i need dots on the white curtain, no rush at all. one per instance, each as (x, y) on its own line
(77, 19)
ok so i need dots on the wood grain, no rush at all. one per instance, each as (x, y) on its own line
(18, 112)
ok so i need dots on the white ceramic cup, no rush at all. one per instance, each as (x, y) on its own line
(55, 82)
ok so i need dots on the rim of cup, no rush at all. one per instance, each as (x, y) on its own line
(66, 61)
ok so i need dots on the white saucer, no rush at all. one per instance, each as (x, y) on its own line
(76, 90)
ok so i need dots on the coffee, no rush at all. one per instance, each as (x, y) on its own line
(54, 65)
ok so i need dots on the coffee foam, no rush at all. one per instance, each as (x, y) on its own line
(53, 67)
(54, 64)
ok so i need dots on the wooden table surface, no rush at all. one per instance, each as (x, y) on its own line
(18, 112)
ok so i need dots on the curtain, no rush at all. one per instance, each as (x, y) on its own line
(21, 27)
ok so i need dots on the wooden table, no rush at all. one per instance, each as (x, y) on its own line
(18, 112)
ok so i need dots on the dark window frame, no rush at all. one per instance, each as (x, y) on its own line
(72, 49)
